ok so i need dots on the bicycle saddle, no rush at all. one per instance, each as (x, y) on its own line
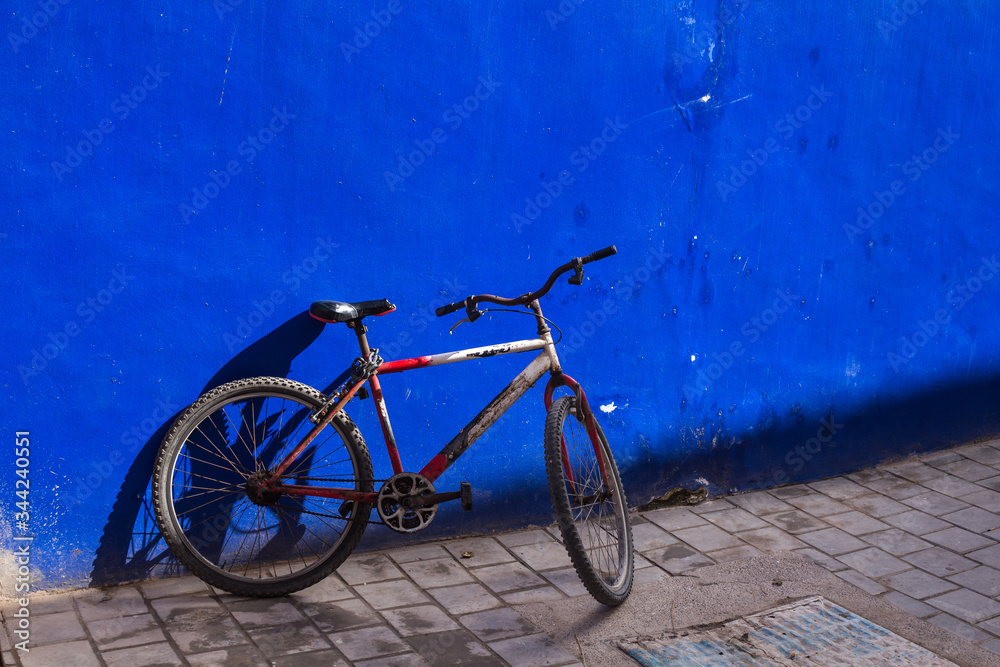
(342, 311)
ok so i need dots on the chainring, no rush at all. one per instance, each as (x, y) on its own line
(396, 503)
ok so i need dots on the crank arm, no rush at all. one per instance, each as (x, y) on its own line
(428, 499)
(435, 498)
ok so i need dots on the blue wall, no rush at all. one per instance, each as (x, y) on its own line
(248, 158)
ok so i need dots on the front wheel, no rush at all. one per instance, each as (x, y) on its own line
(589, 502)
(207, 497)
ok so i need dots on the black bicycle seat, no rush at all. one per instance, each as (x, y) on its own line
(342, 311)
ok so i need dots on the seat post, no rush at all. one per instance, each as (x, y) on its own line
(360, 330)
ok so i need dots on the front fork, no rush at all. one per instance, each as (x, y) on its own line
(587, 417)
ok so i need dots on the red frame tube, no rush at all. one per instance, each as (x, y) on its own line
(435, 467)
(440, 462)
(383, 420)
(403, 365)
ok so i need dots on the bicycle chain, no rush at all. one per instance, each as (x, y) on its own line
(337, 516)
(336, 479)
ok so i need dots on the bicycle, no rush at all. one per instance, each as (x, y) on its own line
(241, 485)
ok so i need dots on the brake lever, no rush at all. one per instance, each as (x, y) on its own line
(577, 277)
(473, 315)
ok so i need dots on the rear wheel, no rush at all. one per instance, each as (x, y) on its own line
(249, 540)
(589, 502)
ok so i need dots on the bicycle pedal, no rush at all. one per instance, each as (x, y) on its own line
(346, 508)
(466, 491)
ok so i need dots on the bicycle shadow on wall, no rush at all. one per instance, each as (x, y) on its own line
(131, 546)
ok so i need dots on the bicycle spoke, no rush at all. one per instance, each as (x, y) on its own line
(240, 549)
(206, 491)
(192, 475)
(253, 430)
(235, 464)
(283, 515)
(313, 532)
(208, 463)
(314, 468)
(233, 521)
(297, 549)
(188, 511)
(239, 435)
(281, 415)
(274, 561)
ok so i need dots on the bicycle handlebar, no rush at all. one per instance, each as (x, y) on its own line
(600, 254)
(575, 263)
(450, 308)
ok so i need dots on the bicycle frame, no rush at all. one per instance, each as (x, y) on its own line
(546, 361)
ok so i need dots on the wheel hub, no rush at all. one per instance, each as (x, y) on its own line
(260, 489)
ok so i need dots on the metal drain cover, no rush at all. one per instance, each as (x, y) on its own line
(813, 631)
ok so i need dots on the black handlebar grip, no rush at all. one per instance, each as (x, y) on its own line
(450, 308)
(600, 254)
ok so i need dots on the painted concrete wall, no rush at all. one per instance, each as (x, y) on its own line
(804, 199)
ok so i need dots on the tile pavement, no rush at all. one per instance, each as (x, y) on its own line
(923, 534)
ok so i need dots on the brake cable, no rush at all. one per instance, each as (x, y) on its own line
(525, 312)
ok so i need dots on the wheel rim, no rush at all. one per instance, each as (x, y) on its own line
(255, 537)
(596, 507)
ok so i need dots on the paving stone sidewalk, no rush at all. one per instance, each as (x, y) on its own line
(919, 534)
